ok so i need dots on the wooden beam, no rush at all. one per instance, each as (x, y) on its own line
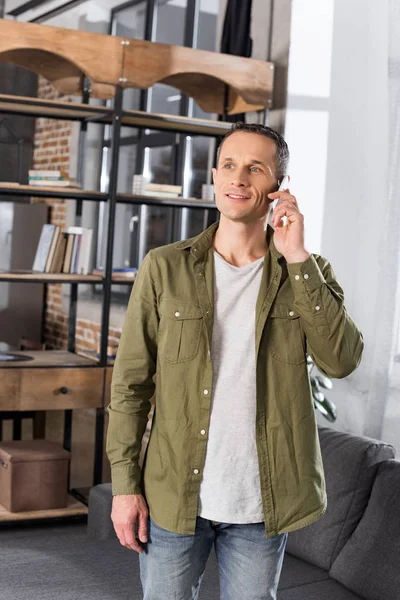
(65, 56)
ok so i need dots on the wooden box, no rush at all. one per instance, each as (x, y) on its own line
(33, 475)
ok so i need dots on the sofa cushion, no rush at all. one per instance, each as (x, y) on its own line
(369, 562)
(100, 526)
(350, 465)
(297, 572)
(321, 590)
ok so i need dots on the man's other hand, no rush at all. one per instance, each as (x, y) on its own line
(126, 512)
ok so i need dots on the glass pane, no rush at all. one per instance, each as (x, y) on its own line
(170, 18)
(159, 223)
(207, 31)
(126, 168)
(169, 29)
(130, 22)
(201, 168)
(158, 164)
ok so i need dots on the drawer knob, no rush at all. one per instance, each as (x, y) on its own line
(64, 390)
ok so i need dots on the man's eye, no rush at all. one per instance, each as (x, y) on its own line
(255, 169)
(228, 165)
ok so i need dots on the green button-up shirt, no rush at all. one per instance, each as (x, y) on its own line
(168, 330)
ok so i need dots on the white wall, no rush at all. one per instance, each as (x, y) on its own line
(337, 130)
(307, 115)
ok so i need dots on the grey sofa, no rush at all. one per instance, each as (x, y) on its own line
(352, 552)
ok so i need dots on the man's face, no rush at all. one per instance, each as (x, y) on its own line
(244, 177)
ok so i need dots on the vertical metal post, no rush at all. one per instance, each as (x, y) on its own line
(105, 319)
(81, 150)
(137, 250)
(186, 105)
(73, 299)
(182, 150)
(144, 94)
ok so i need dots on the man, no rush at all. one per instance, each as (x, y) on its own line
(225, 320)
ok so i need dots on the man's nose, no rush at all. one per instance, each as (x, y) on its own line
(239, 178)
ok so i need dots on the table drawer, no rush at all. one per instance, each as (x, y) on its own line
(58, 389)
(9, 389)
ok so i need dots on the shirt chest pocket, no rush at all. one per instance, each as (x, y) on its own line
(285, 335)
(179, 330)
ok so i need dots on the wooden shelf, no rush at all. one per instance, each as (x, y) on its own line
(15, 189)
(49, 277)
(71, 111)
(158, 201)
(63, 56)
(192, 126)
(74, 508)
(48, 358)
(30, 277)
(34, 191)
(54, 109)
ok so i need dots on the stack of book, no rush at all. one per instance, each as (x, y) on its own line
(162, 190)
(63, 252)
(51, 179)
(119, 274)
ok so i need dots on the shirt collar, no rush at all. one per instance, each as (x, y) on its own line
(200, 244)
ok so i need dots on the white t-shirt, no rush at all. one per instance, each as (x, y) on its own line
(230, 488)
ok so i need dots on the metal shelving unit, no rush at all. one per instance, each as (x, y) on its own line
(116, 117)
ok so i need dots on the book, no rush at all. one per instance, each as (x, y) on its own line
(163, 187)
(84, 248)
(161, 194)
(122, 273)
(39, 178)
(43, 248)
(68, 253)
(85, 252)
(63, 183)
(75, 251)
(58, 258)
(50, 256)
(48, 173)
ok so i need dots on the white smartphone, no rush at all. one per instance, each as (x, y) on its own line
(284, 185)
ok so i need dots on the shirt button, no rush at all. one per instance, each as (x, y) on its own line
(205, 392)
(177, 314)
(297, 276)
(305, 276)
(203, 432)
(291, 313)
(196, 471)
(317, 307)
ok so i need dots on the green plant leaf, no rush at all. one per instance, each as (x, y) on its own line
(326, 408)
(324, 382)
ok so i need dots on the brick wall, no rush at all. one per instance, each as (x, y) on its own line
(52, 149)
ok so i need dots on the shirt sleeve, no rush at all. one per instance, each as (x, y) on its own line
(132, 385)
(334, 342)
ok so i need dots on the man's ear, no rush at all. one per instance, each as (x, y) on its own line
(214, 173)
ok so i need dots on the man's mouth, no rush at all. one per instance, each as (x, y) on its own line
(237, 196)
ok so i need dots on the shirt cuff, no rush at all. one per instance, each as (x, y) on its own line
(305, 276)
(126, 481)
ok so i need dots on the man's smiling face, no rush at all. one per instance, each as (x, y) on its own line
(244, 177)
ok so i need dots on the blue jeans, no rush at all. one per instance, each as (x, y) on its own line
(172, 564)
